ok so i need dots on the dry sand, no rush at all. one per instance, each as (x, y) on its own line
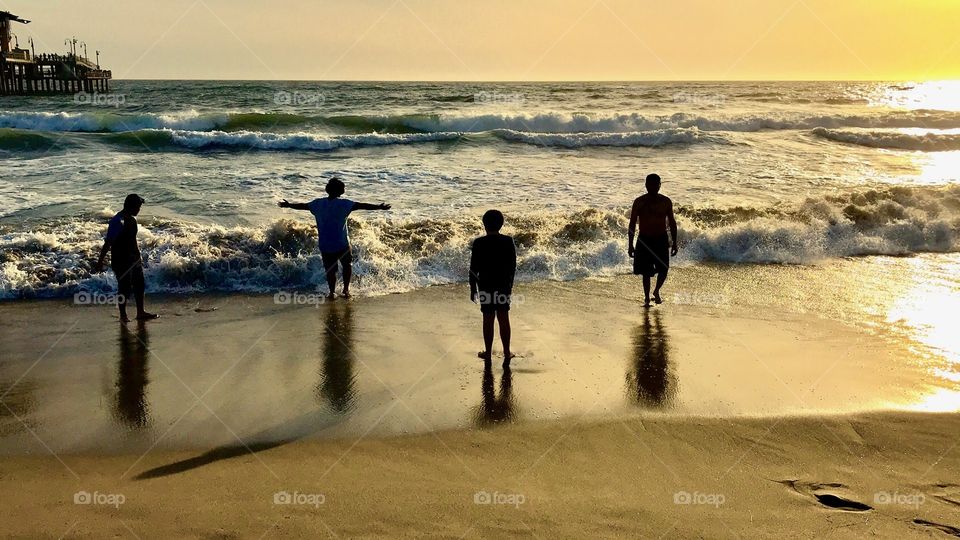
(771, 477)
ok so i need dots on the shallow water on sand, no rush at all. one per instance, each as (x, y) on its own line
(730, 340)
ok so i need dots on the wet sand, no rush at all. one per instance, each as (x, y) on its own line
(239, 417)
(215, 370)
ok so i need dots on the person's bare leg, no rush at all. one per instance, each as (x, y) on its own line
(332, 281)
(661, 277)
(122, 304)
(347, 274)
(646, 291)
(487, 335)
(138, 294)
(123, 295)
(503, 317)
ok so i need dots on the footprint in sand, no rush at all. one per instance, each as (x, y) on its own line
(830, 494)
(953, 531)
(947, 493)
(836, 501)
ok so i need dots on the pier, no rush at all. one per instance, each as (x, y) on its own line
(22, 72)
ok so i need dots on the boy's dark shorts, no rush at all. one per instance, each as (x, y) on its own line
(330, 259)
(494, 301)
(651, 255)
(129, 278)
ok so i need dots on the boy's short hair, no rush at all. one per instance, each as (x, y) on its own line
(493, 220)
(133, 201)
(335, 187)
(653, 182)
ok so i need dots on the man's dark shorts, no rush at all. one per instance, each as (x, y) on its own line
(330, 260)
(652, 255)
(129, 277)
(493, 301)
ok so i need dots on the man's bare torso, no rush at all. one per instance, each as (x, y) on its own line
(652, 211)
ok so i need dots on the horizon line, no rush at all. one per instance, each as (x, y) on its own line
(515, 81)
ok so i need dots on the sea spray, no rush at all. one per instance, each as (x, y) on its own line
(397, 255)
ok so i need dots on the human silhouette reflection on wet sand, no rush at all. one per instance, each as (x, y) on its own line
(650, 382)
(495, 409)
(130, 405)
(335, 390)
(337, 386)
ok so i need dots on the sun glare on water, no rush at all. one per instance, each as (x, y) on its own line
(933, 95)
(938, 167)
(927, 310)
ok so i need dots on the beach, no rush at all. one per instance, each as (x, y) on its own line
(744, 477)
(801, 378)
(704, 416)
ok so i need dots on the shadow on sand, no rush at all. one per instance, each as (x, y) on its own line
(335, 390)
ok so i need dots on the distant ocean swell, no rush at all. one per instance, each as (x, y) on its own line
(105, 122)
(168, 139)
(926, 142)
(398, 256)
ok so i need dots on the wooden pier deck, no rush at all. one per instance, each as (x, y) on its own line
(24, 73)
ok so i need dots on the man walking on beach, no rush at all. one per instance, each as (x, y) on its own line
(650, 217)
(493, 264)
(332, 239)
(125, 258)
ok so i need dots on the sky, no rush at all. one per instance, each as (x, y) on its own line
(477, 40)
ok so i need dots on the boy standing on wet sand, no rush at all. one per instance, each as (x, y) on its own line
(493, 264)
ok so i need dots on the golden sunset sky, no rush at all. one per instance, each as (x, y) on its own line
(506, 39)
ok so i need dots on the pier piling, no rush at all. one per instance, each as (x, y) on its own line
(24, 73)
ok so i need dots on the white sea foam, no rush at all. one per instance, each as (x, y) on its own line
(633, 122)
(401, 255)
(924, 142)
(298, 141)
(658, 137)
(550, 122)
(111, 121)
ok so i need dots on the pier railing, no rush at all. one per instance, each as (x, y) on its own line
(23, 73)
(23, 56)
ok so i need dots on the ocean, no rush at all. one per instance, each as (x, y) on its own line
(781, 173)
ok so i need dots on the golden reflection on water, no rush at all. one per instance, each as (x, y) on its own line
(927, 310)
(939, 95)
(939, 167)
(942, 400)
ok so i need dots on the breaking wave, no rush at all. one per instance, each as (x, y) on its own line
(402, 255)
(461, 123)
(167, 139)
(926, 142)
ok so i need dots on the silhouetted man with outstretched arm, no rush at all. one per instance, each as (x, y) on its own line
(125, 258)
(331, 214)
(651, 216)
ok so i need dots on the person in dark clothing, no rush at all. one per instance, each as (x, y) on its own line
(493, 263)
(651, 216)
(125, 260)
